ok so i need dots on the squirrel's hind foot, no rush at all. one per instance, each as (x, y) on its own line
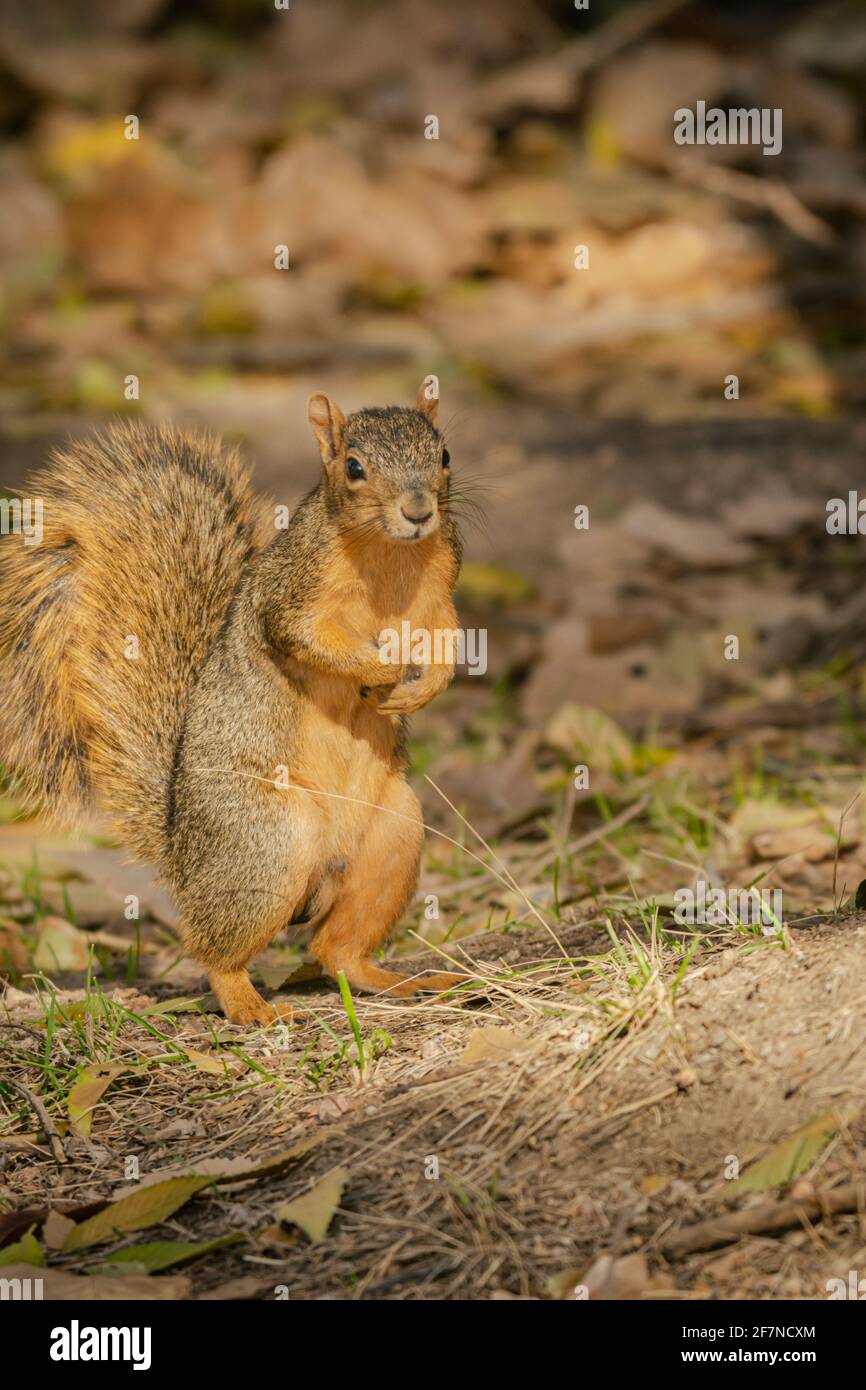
(241, 1003)
(364, 975)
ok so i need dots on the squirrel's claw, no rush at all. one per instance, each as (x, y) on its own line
(410, 696)
(241, 1003)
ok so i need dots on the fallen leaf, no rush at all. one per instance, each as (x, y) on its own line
(314, 1211)
(588, 735)
(622, 1279)
(110, 870)
(13, 950)
(146, 1207)
(56, 1229)
(233, 1170)
(155, 1255)
(275, 976)
(26, 1251)
(205, 1061)
(786, 1160)
(188, 1004)
(85, 1095)
(60, 947)
(491, 1044)
(239, 1169)
(493, 584)
(653, 1183)
(690, 540)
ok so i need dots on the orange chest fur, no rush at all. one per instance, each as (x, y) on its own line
(368, 591)
(343, 745)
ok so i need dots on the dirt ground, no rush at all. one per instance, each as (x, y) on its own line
(557, 1130)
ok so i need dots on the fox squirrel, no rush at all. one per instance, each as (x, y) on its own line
(219, 692)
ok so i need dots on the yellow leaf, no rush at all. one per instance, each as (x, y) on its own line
(314, 1212)
(788, 1159)
(655, 1182)
(148, 1206)
(588, 735)
(205, 1062)
(87, 1092)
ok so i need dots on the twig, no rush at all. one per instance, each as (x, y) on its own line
(771, 1216)
(22, 1028)
(559, 75)
(769, 193)
(836, 855)
(47, 1123)
(592, 837)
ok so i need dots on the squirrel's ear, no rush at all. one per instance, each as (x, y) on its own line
(328, 422)
(427, 400)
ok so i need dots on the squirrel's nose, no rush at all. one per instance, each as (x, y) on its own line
(418, 510)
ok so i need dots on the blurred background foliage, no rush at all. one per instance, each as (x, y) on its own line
(306, 127)
(602, 386)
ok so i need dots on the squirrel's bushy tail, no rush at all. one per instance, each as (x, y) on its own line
(105, 622)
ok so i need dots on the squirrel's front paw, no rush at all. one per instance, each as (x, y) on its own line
(415, 691)
(241, 1003)
(373, 695)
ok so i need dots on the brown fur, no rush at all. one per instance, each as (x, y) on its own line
(258, 665)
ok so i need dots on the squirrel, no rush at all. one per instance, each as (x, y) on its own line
(220, 693)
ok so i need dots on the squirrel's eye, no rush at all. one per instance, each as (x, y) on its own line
(446, 458)
(354, 469)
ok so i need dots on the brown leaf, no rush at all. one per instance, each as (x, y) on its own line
(60, 947)
(55, 1229)
(492, 1044)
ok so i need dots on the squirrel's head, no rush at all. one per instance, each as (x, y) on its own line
(386, 472)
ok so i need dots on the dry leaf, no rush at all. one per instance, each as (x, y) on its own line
(206, 1061)
(85, 1095)
(149, 1206)
(491, 1044)
(56, 1229)
(60, 947)
(786, 1160)
(314, 1211)
(589, 735)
